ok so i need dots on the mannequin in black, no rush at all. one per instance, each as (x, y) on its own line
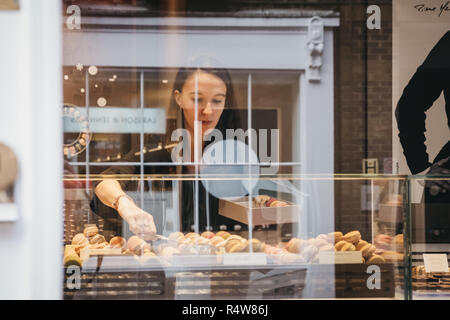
(428, 82)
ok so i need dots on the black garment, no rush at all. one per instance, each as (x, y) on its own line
(426, 85)
(437, 207)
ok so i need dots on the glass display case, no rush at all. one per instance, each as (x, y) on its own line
(240, 237)
(429, 206)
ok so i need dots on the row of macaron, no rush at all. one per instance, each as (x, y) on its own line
(262, 201)
(335, 241)
(209, 243)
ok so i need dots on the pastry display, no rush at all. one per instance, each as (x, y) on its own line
(118, 242)
(367, 251)
(333, 241)
(176, 236)
(296, 250)
(216, 240)
(80, 239)
(98, 238)
(348, 247)
(191, 235)
(398, 240)
(294, 245)
(340, 244)
(335, 237)
(361, 244)
(257, 246)
(207, 234)
(223, 234)
(265, 201)
(237, 247)
(392, 256)
(352, 237)
(90, 231)
(137, 245)
(260, 200)
(376, 259)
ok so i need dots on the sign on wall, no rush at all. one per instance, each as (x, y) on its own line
(120, 120)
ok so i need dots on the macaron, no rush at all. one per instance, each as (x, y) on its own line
(223, 234)
(361, 244)
(348, 247)
(176, 236)
(340, 244)
(237, 247)
(335, 237)
(79, 239)
(376, 259)
(97, 239)
(90, 231)
(117, 242)
(352, 236)
(207, 234)
(368, 250)
(294, 245)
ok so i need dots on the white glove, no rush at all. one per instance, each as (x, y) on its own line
(140, 222)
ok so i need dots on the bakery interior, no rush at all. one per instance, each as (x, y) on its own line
(328, 212)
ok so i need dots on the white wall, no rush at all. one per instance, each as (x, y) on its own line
(30, 123)
(414, 35)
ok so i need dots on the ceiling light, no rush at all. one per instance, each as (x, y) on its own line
(101, 102)
(93, 70)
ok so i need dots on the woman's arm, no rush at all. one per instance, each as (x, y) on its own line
(109, 191)
(141, 223)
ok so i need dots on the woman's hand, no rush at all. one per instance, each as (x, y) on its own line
(141, 223)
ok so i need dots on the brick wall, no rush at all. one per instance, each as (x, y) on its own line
(363, 107)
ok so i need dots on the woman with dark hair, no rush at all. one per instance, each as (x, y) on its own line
(198, 94)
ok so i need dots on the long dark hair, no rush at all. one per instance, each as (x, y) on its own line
(229, 119)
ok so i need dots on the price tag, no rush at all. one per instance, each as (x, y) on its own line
(435, 262)
(340, 257)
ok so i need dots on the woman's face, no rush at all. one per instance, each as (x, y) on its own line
(211, 100)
